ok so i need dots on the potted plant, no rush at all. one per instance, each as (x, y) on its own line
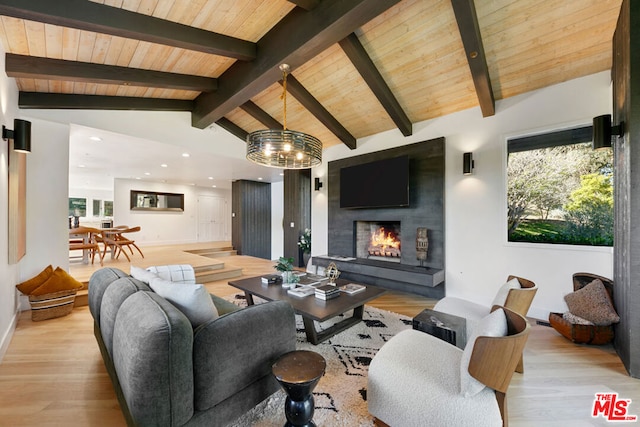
(285, 266)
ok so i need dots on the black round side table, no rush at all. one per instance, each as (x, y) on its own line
(298, 372)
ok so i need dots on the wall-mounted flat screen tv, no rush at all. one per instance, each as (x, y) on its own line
(379, 184)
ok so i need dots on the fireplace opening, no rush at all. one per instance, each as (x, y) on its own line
(379, 240)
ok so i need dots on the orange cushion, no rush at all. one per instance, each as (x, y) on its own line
(60, 280)
(30, 285)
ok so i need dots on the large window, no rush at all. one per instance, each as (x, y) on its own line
(560, 190)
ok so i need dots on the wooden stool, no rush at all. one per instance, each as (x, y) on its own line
(298, 372)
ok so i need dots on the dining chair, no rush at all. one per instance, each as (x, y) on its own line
(85, 239)
(117, 241)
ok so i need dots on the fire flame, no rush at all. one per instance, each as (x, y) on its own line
(384, 240)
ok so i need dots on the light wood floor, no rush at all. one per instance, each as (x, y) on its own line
(53, 373)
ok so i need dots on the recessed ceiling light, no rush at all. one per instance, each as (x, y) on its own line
(81, 166)
(281, 173)
(185, 154)
(164, 165)
(210, 177)
(95, 138)
(147, 173)
(214, 186)
(260, 179)
(137, 177)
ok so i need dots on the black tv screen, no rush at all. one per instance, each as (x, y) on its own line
(383, 183)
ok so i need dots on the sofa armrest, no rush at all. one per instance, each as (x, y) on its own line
(234, 351)
(223, 306)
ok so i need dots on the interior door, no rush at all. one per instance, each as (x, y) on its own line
(211, 219)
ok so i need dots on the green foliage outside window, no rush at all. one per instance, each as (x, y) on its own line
(561, 194)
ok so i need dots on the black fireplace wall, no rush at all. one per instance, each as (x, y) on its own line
(426, 203)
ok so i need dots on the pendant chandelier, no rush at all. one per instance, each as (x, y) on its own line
(283, 148)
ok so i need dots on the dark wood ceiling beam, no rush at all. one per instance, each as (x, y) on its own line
(296, 39)
(33, 100)
(232, 128)
(306, 4)
(360, 59)
(295, 88)
(21, 66)
(467, 20)
(89, 16)
(260, 115)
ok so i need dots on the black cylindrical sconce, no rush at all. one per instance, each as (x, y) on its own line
(467, 163)
(21, 135)
(603, 131)
(317, 184)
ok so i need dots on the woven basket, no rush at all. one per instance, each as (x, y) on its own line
(581, 334)
(49, 306)
(584, 334)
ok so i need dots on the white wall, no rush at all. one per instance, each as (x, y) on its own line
(9, 273)
(165, 227)
(46, 205)
(478, 257)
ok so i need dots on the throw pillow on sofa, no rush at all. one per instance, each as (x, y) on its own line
(192, 300)
(59, 281)
(141, 274)
(593, 303)
(32, 284)
(178, 273)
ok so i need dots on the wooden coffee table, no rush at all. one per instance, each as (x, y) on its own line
(312, 308)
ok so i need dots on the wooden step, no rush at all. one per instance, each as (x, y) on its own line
(214, 252)
(206, 276)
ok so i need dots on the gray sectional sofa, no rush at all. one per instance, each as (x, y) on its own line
(168, 374)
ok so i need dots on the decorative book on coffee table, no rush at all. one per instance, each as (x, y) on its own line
(352, 288)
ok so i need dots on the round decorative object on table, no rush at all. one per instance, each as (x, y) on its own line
(298, 372)
(332, 272)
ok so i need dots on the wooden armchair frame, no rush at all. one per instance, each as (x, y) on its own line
(494, 359)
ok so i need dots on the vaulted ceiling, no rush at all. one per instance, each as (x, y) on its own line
(359, 67)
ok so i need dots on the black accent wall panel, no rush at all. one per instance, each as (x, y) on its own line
(426, 203)
(251, 218)
(297, 210)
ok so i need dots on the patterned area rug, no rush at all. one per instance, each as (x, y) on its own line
(341, 395)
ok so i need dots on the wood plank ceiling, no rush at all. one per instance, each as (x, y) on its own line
(359, 67)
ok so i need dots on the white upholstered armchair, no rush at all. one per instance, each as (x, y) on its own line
(419, 380)
(516, 294)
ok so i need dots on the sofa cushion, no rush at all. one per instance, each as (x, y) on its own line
(593, 303)
(193, 300)
(503, 292)
(493, 325)
(112, 299)
(30, 285)
(178, 273)
(59, 281)
(98, 283)
(141, 274)
(153, 357)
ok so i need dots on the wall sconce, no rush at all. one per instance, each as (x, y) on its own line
(317, 184)
(467, 164)
(602, 131)
(21, 135)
